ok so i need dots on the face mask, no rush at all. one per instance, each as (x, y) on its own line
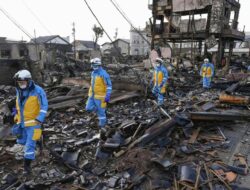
(23, 86)
(157, 64)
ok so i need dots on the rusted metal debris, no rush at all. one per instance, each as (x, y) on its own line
(238, 100)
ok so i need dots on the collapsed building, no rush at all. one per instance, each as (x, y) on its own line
(47, 57)
(200, 23)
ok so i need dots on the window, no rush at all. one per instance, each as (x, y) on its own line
(5, 53)
(227, 13)
(21, 53)
(136, 52)
(40, 55)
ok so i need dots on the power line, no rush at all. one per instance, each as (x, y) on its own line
(15, 23)
(97, 20)
(116, 49)
(127, 19)
(139, 78)
(37, 18)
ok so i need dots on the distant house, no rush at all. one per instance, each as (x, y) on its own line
(10, 49)
(85, 49)
(54, 39)
(12, 58)
(122, 45)
(119, 46)
(45, 49)
(106, 48)
(43, 52)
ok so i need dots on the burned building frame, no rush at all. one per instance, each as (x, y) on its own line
(209, 22)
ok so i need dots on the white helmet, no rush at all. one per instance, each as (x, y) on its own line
(96, 62)
(206, 60)
(22, 75)
(158, 60)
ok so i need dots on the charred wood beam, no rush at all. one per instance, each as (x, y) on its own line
(219, 116)
(65, 104)
(65, 98)
(232, 88)
(155, 131)
(124, 96)
(76, 81)
(121, 85)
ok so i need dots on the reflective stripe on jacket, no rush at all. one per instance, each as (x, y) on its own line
(100, 84)
(33, 106)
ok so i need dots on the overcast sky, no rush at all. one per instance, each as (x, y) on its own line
(50, 17)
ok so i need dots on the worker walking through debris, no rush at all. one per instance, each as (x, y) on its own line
(160, 78)
(30, 113)
(207, 72)
(99, 93)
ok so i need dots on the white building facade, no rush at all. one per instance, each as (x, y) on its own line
(138, 44)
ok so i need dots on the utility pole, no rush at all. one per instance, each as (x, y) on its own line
(74, 37)
(116, 33)
(38, 58)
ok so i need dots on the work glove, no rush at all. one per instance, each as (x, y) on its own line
(107, 98)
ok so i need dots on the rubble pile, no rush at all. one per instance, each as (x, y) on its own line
(199, 139)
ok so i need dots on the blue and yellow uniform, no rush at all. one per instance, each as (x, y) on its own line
(100, 89)
(32, 106)
(160, 78)
(207, 72)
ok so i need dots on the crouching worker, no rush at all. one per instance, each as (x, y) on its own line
(31, 109)
(99, 93)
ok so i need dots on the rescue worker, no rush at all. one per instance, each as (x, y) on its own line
(160, 78)
(207, 72)
(99, 93)
(31, 109)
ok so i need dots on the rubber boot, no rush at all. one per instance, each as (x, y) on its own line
(27, 166)
(102, 132)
